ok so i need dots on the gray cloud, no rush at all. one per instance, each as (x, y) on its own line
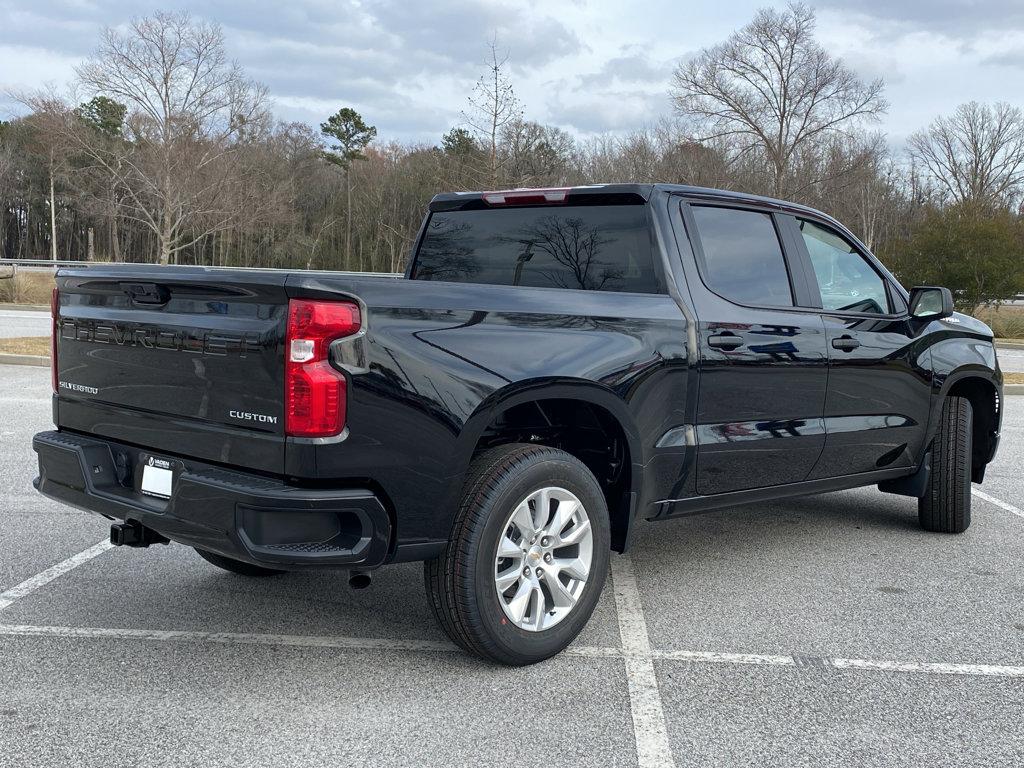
(589, 66)
(627, 91)
(1013, 58)
(633, 65)
(871, 65)
(456, 31)
(959, 19)
(369, 55)
(612, 111)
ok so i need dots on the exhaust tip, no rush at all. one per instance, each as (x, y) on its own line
(359, 580)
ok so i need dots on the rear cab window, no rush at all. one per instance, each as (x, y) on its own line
(584, 247)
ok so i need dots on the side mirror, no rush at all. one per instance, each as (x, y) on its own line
(931, 302)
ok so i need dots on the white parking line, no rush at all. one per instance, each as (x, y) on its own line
(840, 663)
(681, 655)
(941, 668)
(266, 639)
(652, 745)
(414, 645)
(998, 503)
(254, 639)
(34, 583)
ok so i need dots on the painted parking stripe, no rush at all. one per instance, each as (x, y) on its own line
(777, 660)
(998, 503)
(413, 645)
(940, 668)
(841, 663)
(650, 731)
(32, 584)
(243, 639)
(265, 639)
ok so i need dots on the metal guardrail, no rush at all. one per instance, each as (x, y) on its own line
(47, 262)
(57, 263)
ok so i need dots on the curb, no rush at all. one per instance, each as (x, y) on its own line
(26, 307)
(13, 359)
(1013, 389)
(1009, 345)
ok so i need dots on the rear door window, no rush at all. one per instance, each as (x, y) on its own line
(743, 259)
(594, 248)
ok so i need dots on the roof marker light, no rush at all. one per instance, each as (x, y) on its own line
(527, 197)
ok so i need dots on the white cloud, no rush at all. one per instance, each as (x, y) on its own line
(588, 66)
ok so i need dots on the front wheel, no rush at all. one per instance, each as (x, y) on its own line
(527, 558)
(946, 504)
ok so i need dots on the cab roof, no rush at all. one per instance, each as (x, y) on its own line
(603, 194)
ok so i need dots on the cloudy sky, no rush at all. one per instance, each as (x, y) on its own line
(590, 66)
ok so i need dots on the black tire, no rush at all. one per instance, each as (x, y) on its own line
(238, 567)
(946, 505)
(460, 582)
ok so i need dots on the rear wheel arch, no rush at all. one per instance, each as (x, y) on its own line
(580, 414)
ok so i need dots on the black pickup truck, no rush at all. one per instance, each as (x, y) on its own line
(555, 365)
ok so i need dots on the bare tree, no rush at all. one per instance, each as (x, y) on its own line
(534, 154)
(771, 88)
(8, 170)
(976, 154)
(189, 108)
(493, 105)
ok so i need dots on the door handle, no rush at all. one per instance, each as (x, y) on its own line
(845, 343)
(728, 341)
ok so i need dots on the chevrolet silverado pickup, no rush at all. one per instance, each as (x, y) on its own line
(555, 366)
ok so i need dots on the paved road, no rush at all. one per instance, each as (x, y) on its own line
(24, 323)
(797, 633)
(1011, 359)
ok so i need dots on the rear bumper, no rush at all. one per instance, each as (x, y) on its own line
(248, 517)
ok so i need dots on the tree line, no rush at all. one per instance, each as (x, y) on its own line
(171, 154)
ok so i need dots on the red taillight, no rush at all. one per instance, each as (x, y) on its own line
(314, 390)
(531, 197)
(54, 331)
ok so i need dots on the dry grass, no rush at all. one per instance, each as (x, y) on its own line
(1007, 321)
(25, 287)
(1013, 378)
(26, 345)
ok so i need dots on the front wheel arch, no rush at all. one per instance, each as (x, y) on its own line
(984, 396)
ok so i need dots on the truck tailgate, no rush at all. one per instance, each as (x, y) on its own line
(182, 360)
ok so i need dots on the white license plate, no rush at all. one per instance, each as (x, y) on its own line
(157, 481)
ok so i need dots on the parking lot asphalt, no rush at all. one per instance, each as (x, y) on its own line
(823, 630)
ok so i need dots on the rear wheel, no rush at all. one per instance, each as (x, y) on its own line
(238, 567)
(528, 555)
(946, 504)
